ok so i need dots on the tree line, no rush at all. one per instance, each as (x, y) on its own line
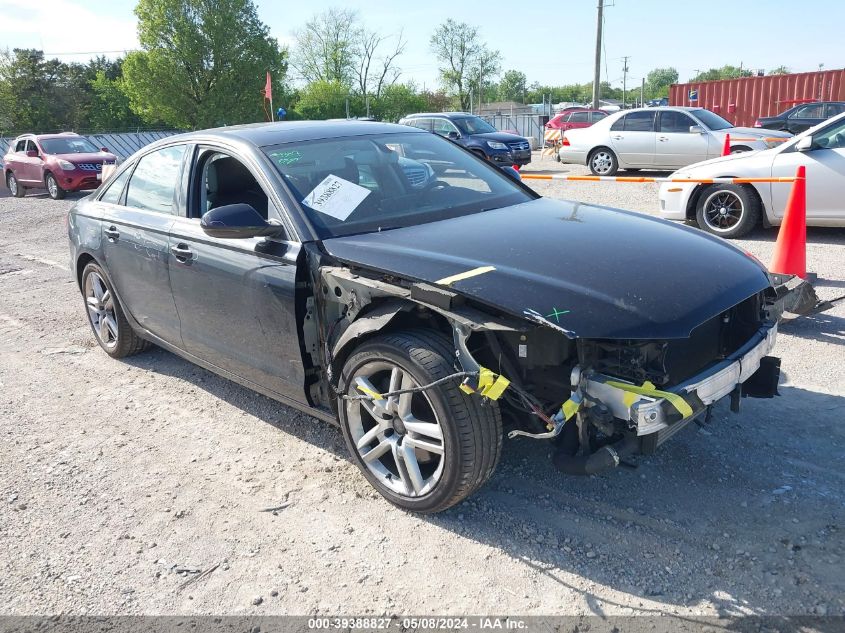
(203, 64)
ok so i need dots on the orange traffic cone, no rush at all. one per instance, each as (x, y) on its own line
(790, 257)
(726, 148)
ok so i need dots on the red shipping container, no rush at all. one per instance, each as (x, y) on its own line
(741, 101)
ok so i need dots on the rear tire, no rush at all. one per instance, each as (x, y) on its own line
(603, 162)
(465, 437)
(105, 315)
(53, 188)
(729, 211)
(15, 188)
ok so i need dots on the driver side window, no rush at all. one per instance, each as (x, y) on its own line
(443, 127)
(225, 180)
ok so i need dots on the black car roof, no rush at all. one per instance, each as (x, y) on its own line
(446, 115)
(263, 134)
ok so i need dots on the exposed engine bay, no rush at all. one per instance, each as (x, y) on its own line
(598, 399)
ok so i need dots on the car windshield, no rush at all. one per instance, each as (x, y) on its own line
(68, 146)
(473, 125)
(368, 183)
(711, 120)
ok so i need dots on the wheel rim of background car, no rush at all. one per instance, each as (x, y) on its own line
(602, 162)
(100, 304)
(723, 211)
(13, 184)
(52, 185)
(396, 441)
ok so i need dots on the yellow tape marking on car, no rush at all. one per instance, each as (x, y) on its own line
(490, 384)
(375, 395)
(448, 281)
(648, 389)
(570, 408)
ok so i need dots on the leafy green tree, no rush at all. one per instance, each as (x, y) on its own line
(31, 91)
(512, 86)
(324, 100)
(111, 109)
(657, 82)
(780, 70)
(398, 100)
(203, 62)
(725, 72)
(326, 47)
(465, 59)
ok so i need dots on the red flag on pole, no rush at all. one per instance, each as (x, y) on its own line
(268, 88)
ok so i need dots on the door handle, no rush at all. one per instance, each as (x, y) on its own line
(662, 138)
(617, 137)
(182, 253)
(112, 233)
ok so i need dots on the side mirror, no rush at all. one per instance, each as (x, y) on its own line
(237, 221)
(32, 153)
(453, 135)
(805, 144)
(696, 129)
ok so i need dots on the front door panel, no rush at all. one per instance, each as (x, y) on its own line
(236, 303)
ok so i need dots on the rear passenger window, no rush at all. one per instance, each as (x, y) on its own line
(153, 183)
(835, 108)
(598, 116)
(579, 117)
(639, 122)
(20, 146)
(423, 124)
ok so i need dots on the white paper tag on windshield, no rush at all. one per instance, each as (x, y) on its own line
(336, 197)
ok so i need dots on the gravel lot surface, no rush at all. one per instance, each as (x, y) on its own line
(146, 486)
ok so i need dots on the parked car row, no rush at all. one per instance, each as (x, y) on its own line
(802, 117)
(58, 163)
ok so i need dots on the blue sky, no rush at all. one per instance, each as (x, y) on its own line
(552, 45)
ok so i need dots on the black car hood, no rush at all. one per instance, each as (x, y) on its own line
(596, 272)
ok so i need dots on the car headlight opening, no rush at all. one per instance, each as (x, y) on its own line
(496, 145)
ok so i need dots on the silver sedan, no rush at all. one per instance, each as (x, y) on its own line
(659, 138)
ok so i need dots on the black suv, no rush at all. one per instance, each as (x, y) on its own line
(476, 135)
(802, 117)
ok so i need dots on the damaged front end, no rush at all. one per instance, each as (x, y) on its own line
(598, 399)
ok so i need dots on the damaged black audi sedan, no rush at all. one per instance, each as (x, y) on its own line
(387, 280)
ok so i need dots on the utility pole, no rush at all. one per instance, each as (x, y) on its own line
(597, 69)
(624, 79)
(642, 93)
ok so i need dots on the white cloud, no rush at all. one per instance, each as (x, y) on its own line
(64, 26)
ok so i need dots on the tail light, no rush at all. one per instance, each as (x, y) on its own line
(565, 142)
(757, 123)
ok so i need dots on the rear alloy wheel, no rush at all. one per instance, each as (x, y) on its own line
(53, 188)
(728, 211)
(603, 162)
(14, 186)
(423, 451)
(112, 330)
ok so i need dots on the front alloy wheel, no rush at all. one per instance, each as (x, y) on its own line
(423, 451)
(53, 188)
(399, 439)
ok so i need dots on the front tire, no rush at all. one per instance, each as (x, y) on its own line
(729, 211)
(14, 186)
(425, 451)
(603, 162)
(105, 315)
(53, 188)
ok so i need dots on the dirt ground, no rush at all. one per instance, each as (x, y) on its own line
(147, 486)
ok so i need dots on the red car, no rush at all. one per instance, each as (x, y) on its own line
(571, 119)
(56, 162)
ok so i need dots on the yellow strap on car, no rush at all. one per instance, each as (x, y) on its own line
(570, 408)
(490, 384)
(648, 389)
(448, 281)
(375, 395)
